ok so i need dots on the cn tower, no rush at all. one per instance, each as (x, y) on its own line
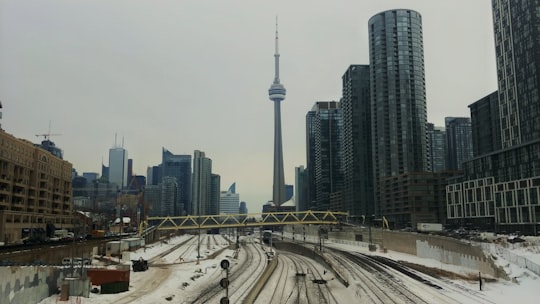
(277, 94)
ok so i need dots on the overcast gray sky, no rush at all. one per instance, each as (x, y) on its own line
(189, 75)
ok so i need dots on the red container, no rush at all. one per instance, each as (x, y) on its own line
(100, 276)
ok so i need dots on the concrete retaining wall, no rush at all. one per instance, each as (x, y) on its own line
(508, 255)
(31, 284)
(256, 290)
(444, 249)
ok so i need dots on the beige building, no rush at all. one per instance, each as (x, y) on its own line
(35, 190)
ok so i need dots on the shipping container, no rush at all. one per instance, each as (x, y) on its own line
(114, 287)
(133, 243)
(99, 276)
(115, 248)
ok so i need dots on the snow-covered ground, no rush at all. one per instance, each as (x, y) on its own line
(182, 282)
(525, 288)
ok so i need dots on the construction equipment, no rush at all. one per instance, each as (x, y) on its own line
(47, 135)
(140, 265)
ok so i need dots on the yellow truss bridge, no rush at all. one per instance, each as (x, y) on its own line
(244, 220)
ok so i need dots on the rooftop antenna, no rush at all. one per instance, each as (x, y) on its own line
(0, 114)
(48, 134)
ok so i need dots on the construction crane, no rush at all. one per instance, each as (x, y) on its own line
(47, 135)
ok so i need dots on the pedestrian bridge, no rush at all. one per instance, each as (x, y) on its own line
(190, 222)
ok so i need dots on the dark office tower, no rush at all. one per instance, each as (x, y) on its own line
(326, 142)
(398, 95)
(104, 172)
(169, 196)
(485, 125)
(436, 137)
(458, 142)
(215, 192)
(517, 48)
(311, 188)
(243, 208)
(202, 184)
(300, 184)
(130, 174)
(153, 175)
(179, 166)
(152, 199)
(358, 196)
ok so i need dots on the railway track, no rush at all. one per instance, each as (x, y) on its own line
(297, 279)
(242, 276)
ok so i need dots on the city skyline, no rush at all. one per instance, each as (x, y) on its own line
(141, 69)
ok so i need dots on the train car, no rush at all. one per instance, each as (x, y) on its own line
(267, 235)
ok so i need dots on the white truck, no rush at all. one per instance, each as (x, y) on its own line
(61, 235)
(429, 227)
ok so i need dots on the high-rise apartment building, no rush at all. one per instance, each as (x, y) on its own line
(202, 183)
(35, 189)
(358, 196)
(325, 138)
(458, 141)
(118, 167)
(500, 190)
(517, 48)
(436, 139)
(179, 166)
(398, 98)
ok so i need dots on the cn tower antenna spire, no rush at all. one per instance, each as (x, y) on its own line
(276, 55)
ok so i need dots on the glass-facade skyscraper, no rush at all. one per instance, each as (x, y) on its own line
(300, 185)
(358, 197)
(398, 98)
(436, 148)
(325, 154)
(485, 125)
(229, 202)
(202, 184)
(458, 141)
(118, 167)
(179, 167)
